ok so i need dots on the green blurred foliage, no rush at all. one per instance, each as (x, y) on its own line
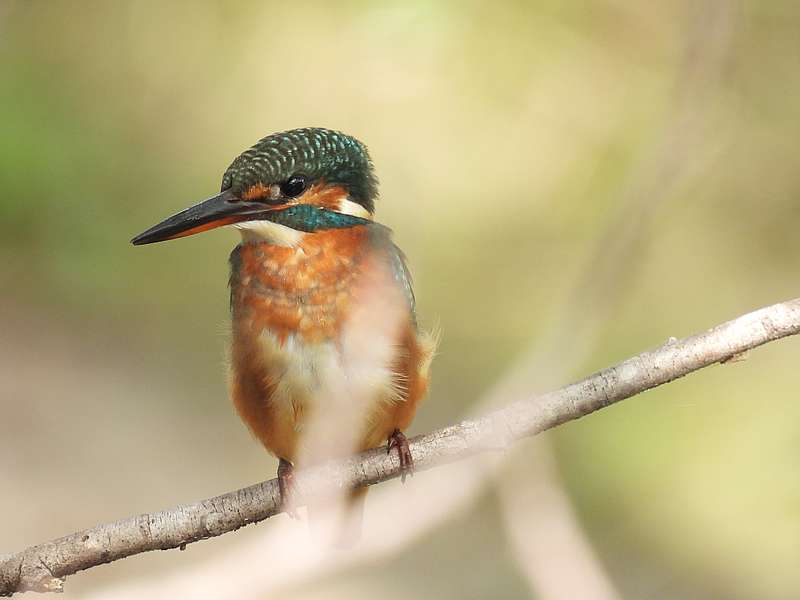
(511, 139)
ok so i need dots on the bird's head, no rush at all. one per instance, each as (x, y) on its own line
(292, 182)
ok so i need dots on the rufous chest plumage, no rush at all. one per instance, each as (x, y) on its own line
(303, 290)
(323, 325)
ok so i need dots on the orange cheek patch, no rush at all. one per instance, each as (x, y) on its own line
(258, 191)
(325, 196)
(321, 194)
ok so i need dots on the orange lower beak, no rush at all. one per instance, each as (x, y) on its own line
(219, 210)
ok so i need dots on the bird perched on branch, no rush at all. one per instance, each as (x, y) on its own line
(326, 357)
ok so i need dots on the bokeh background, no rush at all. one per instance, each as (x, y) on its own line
(573, 182)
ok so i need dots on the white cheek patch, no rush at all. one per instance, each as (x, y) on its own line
(267, 231)
(348, 207)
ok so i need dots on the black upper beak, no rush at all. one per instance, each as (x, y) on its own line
(222, 209)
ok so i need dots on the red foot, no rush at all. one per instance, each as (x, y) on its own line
(286, 487)
(398, 440)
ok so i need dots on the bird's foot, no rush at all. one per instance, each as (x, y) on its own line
(400, 441)
(286, 487)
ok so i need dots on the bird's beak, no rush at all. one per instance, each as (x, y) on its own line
(219, 210)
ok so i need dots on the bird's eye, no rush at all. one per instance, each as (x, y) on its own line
(294, 186)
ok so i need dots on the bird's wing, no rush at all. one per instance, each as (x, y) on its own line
(403, 277)
(382, 237)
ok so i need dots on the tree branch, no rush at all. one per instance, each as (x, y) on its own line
(43, 568)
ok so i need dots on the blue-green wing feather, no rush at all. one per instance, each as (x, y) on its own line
(403, 277)
(382, 237)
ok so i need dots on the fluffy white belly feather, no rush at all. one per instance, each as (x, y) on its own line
(327, 386)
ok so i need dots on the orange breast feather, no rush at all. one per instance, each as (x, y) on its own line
(324, 326)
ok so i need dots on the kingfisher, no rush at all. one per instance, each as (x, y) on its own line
(326, 357)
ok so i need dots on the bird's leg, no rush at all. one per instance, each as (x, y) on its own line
(400, 441)
(286, 487)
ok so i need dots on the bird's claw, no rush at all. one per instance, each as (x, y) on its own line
(286, 487)
(400, 441)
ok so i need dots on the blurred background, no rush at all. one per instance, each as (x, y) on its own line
(573, 182)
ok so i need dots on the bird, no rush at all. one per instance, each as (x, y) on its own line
(326, 356)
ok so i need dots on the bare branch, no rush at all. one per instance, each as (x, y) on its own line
(44, 567)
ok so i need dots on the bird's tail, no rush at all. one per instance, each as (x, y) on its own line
(340, 526)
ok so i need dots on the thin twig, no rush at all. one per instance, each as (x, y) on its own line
(189, 523)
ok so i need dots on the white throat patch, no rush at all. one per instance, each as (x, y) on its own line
(267, 231)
